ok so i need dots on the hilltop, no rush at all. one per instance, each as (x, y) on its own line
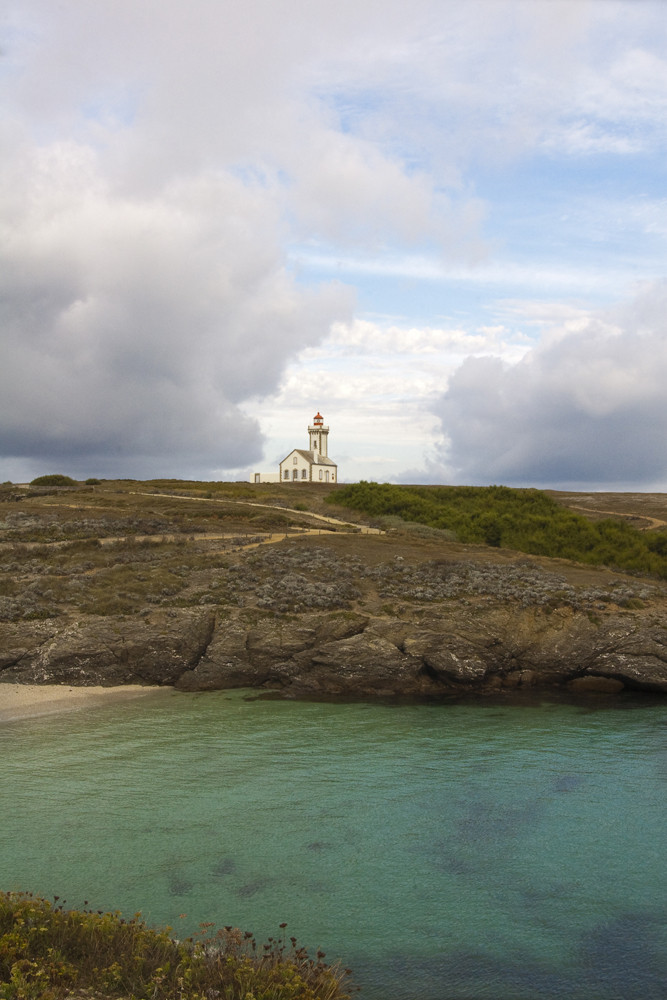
(281, 587)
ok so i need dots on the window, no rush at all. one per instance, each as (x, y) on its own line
(295, 460)
(303, 473)
(258, 477)
(333, 477)
(321, 474)
(286, 474)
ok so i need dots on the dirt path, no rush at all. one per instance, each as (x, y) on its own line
(190, 537)
(268, 539)
(653, 522)
(258, 537)
(363, 528)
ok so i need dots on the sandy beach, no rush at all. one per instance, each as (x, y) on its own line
(24, 701)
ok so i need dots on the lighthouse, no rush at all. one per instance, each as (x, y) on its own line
(312, 464)
(319, 435)
(305, 465)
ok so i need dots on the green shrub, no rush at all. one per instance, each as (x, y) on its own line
(93, 482)
(53, 480)
(48, 953)
(525, 520)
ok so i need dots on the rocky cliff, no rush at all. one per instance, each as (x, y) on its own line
(436, 651)
(406, 614)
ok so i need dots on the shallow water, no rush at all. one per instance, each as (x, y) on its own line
(451, 851)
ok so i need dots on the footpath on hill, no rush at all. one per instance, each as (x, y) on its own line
(363, 529)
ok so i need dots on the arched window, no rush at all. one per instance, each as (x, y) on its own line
(304, 474)
(321, 477)
(286, 474)
(295, 460)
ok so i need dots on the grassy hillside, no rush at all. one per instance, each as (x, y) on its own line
(525, 520)
(127, 547)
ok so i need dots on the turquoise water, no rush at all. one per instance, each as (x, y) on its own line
(451, 851)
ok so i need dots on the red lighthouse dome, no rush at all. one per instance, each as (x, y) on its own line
(318, 419)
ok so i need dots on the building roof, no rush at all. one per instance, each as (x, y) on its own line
(312, 457)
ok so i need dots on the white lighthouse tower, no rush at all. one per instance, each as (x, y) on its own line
(319, 435)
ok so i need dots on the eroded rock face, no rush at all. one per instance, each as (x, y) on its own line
(456, 659)
(343, 667)
(441, 652)
(107, 650)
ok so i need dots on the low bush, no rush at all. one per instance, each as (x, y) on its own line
(48, 952)
(54, 480)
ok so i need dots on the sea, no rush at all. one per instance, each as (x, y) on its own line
(509, 850)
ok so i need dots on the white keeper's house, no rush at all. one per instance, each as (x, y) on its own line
(311, 465)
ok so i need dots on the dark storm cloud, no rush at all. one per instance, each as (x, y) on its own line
(136, 327)
(588, 405)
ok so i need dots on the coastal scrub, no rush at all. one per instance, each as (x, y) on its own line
(48, 952)
(524, 520)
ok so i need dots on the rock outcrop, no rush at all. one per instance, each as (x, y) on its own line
(430, 653)
(105, 650)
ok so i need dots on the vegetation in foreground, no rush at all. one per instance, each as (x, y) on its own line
(524, 520)
(48, 952)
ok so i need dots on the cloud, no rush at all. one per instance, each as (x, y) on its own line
(391, 341)
(585, 406)
(154, 162)
(133, 328)
(376, 385)
(165, 169)
(370, 118)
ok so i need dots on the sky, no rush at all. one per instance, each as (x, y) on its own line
(442, 225)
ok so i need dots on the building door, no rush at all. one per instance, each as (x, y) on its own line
(295, 473)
